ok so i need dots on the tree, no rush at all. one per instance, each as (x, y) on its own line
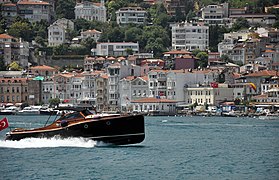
(65, 9)
(129, 51)
(54, 102)
(3, 67)
(240, 23)
(21, 30)
(133, 34)
(162, 20)
(225, 58)
(88, 43)
(62, 49)
(203, 59)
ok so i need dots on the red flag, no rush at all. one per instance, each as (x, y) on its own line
(214, 84)
(4, 123)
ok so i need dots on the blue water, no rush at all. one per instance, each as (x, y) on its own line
(174, 148)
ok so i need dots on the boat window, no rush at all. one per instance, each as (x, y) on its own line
(72, 116)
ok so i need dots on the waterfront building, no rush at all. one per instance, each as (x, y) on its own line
(58, 31)
(131, 15)
(154, 106)
(132, 88)
(212, 94)
(91, 11)
(48, 90)
(13, 90)
(114, 48)
(116, 72)
(14, 50)
(190, 36)
(34, 10)
(102, 92)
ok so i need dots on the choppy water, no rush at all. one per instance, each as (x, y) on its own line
(174, 148)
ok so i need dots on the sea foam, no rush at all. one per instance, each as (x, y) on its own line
(45, 143)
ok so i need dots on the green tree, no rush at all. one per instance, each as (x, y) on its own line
(88, 43)
(54, 102)
(65, 9)
(129, 51)
(162, 20)
(203, 59)
(62, 49)
(21, 30)
(241, 23)
(133, 34)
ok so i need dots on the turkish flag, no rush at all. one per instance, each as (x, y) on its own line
(4, 123)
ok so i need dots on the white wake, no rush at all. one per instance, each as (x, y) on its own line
(52, 142)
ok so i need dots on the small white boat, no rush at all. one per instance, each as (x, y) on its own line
(12, 110)
(30, 110)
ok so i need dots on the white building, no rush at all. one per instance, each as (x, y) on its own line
(208, 95)
(91, 11)
(92, 33)
(116, 72)
(190, 36)
(216, 14)
(114, 48)
(154, 106)
(57, 32)
(131, 15)
(132, 88)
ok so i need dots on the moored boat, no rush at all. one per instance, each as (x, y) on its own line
(30, 110)
(12, 110)
(108, 128)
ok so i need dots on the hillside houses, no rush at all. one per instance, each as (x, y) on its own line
(123, 76)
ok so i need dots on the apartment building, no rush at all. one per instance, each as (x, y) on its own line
(132, 88)
(57, 32)
(131, 15)
(115, 48)
(9, 11)
(13, 90)
(189, 36)
(91, 11)
(215, 14)
(34, 10)
(173, 5)
(14, 50)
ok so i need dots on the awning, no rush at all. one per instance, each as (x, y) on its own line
(39, 78)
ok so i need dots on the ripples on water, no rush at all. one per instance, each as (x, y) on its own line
(174, 148)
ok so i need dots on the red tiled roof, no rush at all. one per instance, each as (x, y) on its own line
(43, 67)
(92, 31)
(12, 80)
(262, 73)
(153, 100)
(27, 2)
(9, 4)
(144, 78)
(6, 36)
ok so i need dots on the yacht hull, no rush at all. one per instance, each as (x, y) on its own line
(118, 130)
